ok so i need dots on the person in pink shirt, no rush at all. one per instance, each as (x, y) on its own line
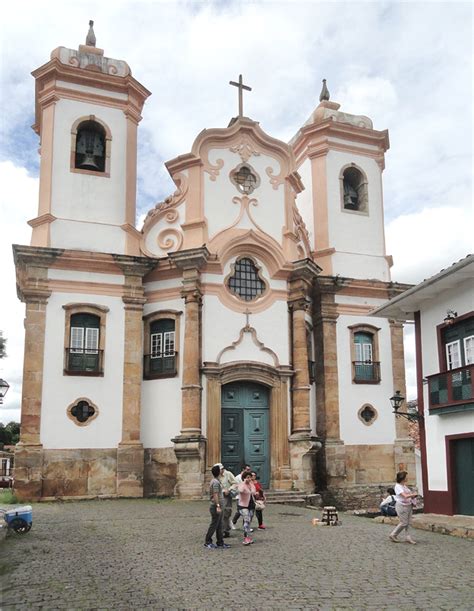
(246, 504)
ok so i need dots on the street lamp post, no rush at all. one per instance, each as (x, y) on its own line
(397, 401)
(4, 386)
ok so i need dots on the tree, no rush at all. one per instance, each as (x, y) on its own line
(5, 436)
(14, 429)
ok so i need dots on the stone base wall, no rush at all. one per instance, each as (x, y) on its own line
(361, 496)
(81, 473)
(160, 474)
(371, 464)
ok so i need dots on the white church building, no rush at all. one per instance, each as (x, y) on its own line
(233, 326)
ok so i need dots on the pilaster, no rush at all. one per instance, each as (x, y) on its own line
(190, 445)
(404, 455)
(303, 445)
(130, 453)
(331, 467)
(32, 286)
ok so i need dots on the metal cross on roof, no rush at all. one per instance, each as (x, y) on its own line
(241, 87)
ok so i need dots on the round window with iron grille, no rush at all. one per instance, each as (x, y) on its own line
(245, 179)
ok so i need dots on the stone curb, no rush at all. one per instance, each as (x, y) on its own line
(441, 527)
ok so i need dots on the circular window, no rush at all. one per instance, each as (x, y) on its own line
(367, 414)
(245, 179)
(82, 411)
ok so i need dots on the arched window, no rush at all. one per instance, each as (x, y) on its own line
(245, 282)
(161, 344)
(84, 339)
(354, 189)
(365, 351)
(84, 343)
(90, 147)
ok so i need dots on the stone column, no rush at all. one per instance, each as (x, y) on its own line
(32, 281)
(190, 445)
(332, 461)
(130, 453)
(303, 445)
(404, 455)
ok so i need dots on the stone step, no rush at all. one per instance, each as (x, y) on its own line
(292, 497)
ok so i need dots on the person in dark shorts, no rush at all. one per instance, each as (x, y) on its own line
(216, 499)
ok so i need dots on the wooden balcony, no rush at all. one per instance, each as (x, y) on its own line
(451, 389)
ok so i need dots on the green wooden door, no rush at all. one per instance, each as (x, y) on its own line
(464, 473)
(245, 428)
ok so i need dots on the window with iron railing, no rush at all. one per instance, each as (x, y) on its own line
(83, 356)
(161, 360)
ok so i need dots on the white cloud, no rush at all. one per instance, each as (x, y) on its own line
(407, 65)
(18, 203)
(425, 242)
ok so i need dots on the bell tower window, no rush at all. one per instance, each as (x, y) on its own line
(90, 147)
(354, 189)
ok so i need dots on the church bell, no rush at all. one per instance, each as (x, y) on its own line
(90, 149)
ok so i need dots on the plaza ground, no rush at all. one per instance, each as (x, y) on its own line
(149, 554)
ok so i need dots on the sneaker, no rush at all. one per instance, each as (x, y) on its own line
(210, 545)
(410, 540)
(393, 539)
(250, 530)
(223, 546)
(262, 527)
(233, 526)
(247, 541)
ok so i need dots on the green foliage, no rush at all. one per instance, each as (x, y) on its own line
(14, 429)
(7, 497)
(5, 436)
(9, 434)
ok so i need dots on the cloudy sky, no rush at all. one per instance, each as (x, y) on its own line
(407, 65)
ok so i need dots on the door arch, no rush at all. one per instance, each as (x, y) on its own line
(245, 428)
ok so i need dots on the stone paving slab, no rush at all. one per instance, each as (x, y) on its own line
(148, 554)
(457, 526)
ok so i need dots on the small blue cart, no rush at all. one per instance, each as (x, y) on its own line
(19, 519)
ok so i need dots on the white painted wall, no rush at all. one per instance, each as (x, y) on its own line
(161, 398)
(221, 212)
(85, 197)
(221, 327)
(353, 396)
(59, 391)
(71, 275)
(358, 238)
(461, 300)
(304, 200)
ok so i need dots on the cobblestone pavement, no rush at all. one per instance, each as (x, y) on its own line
(148, 554)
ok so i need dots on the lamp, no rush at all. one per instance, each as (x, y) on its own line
(397, 401)
(4, 386)
(450, 316)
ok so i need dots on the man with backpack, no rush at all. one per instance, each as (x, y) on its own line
(387, 506)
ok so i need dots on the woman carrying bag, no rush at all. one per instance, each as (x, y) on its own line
(259, 501)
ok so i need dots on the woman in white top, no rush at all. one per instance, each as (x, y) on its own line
(403, 507)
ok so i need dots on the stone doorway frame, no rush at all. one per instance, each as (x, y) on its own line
(277, 380)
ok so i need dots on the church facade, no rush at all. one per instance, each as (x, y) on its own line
(234, 326)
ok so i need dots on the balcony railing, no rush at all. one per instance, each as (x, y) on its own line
(365, 372)
(84, 362)
(159, 365)
(451, 388)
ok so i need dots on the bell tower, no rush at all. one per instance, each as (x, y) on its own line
(340, 158)
(87, 113)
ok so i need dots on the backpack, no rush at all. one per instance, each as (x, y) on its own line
(390, 508)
